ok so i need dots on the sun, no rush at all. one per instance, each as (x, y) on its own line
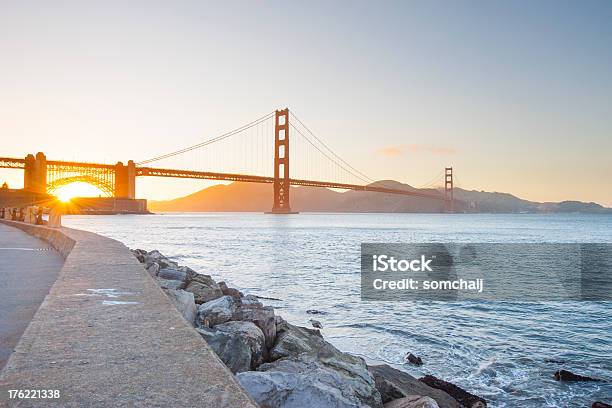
(76, 189)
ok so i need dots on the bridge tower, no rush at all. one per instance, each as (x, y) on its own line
(448, 190)
(281, 163)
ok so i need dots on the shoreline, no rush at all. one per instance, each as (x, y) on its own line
(276, 361)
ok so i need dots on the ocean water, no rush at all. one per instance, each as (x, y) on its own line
(504, 352)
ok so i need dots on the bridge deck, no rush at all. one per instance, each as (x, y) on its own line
(7, 162)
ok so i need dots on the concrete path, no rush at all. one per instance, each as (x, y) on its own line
(28, 268)
(107, 336)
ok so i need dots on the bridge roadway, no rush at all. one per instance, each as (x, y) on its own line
(107, 336)
(28, 268)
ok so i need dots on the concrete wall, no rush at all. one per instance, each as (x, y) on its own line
(58, 240)
(107, 335)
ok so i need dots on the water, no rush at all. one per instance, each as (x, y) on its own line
(501, 351)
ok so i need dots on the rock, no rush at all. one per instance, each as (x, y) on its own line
(204, 279)
(278, 321)
(314, 311)
(139, 254)
(153, 256)
(216, 311)
(302, 343)
(240, 345)
(316, 324)
(268, 298)
(598, 404)
(412, 359)
(291, 341)
(234, 351)
(235, 293)
(172, 274)
(554, 361)
(184, 302)
(458, 393)
(253, 336)
(262, 316)
(413, 401)
(153, 269)
(204, 288)
(290, 383)
(395, 384)
(564, 375)
(251, 300)
(166, 263)
(191, 274)
(169, 284)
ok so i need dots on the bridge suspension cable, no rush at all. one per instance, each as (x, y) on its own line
(209, 141)
(434, 181)
(354, 172)
(363, 179)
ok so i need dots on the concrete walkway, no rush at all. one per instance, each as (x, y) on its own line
(28, 268)
(107, 336)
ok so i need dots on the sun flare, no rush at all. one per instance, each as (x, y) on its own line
(77, 189)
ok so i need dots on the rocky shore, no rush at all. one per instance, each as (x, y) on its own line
(283, 365)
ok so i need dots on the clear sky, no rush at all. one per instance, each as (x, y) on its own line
(515, 95)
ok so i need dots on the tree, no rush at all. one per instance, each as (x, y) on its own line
(4, 186)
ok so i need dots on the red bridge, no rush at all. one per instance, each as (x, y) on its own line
(119, 180)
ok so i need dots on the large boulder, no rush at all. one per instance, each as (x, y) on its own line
(184, 302)
(413, 401)
(291, 341)
(395, 384)
(204, 288)
(240, 345)
(462, 396)
(262, 316)
(291, 383)
(217, 311)
(253, 336)
(303, 343)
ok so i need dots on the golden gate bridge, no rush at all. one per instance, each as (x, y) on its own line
(313, 163)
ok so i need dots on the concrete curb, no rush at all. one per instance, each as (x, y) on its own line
(106, 335)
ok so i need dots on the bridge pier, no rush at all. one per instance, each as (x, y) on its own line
(125, 180)
(35, 173)
(281, 203)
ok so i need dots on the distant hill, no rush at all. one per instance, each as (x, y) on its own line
(256, 197)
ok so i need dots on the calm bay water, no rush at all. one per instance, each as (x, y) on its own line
(501, 351)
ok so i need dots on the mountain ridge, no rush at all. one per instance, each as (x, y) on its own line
(254, 197)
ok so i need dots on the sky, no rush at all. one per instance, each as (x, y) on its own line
(515, 95)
